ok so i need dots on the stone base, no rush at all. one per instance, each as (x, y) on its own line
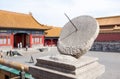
(66, 67)
(106, 46)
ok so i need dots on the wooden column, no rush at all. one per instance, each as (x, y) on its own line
(43, 40)
(30, 40)
(12, 40)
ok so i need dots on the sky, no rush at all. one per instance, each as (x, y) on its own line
(51, 12)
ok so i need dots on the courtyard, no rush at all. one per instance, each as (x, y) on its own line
(111, 60)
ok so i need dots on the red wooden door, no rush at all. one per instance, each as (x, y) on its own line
(17, 40)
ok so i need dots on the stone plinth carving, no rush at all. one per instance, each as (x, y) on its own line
(66, 67)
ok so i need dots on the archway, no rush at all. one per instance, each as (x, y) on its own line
(21, 37)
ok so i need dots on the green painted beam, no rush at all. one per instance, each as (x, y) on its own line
(15, 71)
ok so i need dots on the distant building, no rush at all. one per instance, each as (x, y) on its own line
(52, 35)
(107, 40)
(16, 28)
(109, 37)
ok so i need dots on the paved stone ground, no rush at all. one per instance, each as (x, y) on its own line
(111, 60)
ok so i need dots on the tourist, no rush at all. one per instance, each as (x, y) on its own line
(26, 47)
(9, 53)
(1, 54)
(18, 45)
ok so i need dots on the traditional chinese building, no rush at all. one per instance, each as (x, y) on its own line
(107, 40)
(109, 28)
(18, 28)
(52, 36)
(109, 36)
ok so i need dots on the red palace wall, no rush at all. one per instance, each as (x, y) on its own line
(5, 40)
(8, 41)
(51, 42)
(37, 40)
(105, 37)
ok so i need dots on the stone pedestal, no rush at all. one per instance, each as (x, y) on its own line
(66, 67)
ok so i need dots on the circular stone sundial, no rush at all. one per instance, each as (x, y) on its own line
(77, 36)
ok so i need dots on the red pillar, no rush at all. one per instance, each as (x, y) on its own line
(30, 40)
(12, 40)
(43, 40)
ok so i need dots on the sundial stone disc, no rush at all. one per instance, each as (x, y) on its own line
(77, 40)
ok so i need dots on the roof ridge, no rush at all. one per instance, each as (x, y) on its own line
(109, 17)
(42, 25)
(36, 20)
(12, 12)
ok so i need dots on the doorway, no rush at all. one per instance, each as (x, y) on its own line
(21, 38)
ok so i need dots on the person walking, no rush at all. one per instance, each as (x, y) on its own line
(26, 47)
(1, 54)
(18, 45)
(21, 45)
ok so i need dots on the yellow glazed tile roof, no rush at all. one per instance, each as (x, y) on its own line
(53, 32)
(111, 20)
(19, 21)
(112, 24)
(103, 21)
